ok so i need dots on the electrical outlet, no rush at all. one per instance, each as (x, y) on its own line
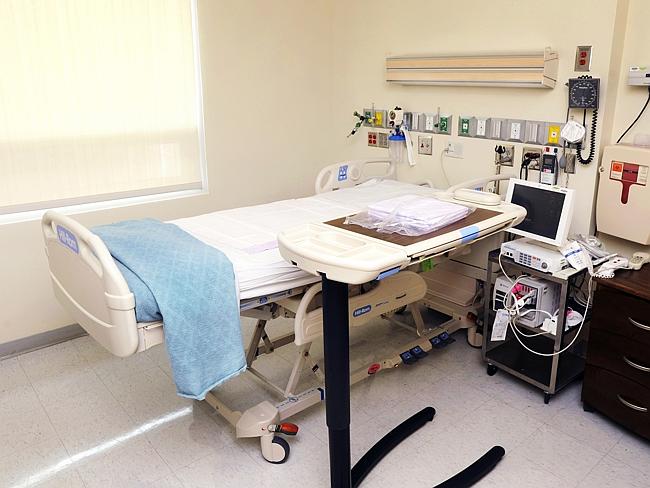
(382, 139)
(425, 145)
(481, 127)
(429, 122)
(454, 150)
(528, 153)
(504, 154)
(372, 139)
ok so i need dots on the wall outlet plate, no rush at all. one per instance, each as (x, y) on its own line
(425, 145)
(507, 157)
(372, 139)
(454, 150)
(534, 164)
(382, 139)
(583, 58)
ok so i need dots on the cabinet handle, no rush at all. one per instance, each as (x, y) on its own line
(638, 324)
(645, 369)
(631, 405)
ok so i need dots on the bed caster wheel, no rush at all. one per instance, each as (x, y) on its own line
(275, 449)
(491, 369)
(547, 398)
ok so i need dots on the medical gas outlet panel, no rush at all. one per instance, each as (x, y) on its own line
(543, 133)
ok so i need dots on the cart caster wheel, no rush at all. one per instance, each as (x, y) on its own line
(280, 451)
(547, 398)
(492, 369)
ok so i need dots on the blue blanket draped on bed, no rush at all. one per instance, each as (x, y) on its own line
(191, 286)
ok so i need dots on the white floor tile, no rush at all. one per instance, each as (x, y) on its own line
(517, 471)
(87, 420)
(633, 451)
(611, 473)
(23, 421)
(42, 464)
(560, 454)
(191, 437)
(59, 372)
(589, 428)
(230, 467)
(147, 395)
(128, 464)
(107, 365)
(11, 374)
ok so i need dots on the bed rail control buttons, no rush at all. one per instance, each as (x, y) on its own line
(418, 352)
(286, 428)
(408, 358)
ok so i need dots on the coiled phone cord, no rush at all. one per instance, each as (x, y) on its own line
(592, 141)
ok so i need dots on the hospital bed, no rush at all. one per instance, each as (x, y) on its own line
(91, 288)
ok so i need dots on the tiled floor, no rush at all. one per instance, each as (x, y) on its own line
(71, 415)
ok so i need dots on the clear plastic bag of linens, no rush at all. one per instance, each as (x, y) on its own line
(409, 215)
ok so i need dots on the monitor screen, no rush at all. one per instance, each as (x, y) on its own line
(544, 210)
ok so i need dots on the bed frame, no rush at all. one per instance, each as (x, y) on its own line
(91, 288)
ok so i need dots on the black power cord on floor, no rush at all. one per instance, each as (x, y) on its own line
(637, 117)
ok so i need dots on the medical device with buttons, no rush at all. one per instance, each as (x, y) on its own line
(549, 210)
(541, 298)
(624, 194)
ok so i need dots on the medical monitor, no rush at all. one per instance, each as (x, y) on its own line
(549, 210)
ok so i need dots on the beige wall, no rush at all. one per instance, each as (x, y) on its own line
(630, 99)
(265, 65)
(367, 30)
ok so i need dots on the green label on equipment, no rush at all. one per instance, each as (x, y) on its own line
(426, 265)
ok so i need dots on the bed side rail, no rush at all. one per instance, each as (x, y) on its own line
(348, 174)
(89, 285)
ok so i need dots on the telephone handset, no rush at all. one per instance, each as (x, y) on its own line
(584, 94)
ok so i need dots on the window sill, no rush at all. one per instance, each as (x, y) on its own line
(32, 215)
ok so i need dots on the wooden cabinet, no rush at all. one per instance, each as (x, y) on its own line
(617, 374)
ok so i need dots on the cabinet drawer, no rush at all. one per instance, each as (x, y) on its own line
(621, 399)
(620, 355)
(622, 314)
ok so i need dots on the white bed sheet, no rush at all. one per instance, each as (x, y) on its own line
(247, 235)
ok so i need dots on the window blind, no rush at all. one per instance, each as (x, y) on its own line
(99, 99)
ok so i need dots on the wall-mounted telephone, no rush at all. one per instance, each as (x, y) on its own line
(584, 94)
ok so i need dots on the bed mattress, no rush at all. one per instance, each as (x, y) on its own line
(247, 235)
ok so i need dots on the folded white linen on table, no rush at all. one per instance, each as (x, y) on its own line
(414, 214)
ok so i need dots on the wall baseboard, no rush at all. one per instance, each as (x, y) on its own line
(39, 341)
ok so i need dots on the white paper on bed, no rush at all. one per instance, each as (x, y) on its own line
(247, 235)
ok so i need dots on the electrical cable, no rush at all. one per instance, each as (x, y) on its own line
(582, 323)
(592, 140)
(637, 118)
(442, 165)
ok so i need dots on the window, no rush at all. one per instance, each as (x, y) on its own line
(99, 100)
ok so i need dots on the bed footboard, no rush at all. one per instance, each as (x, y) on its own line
(89, 285)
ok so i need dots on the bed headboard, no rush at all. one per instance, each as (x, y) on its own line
(352, 173)
(89, 285)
